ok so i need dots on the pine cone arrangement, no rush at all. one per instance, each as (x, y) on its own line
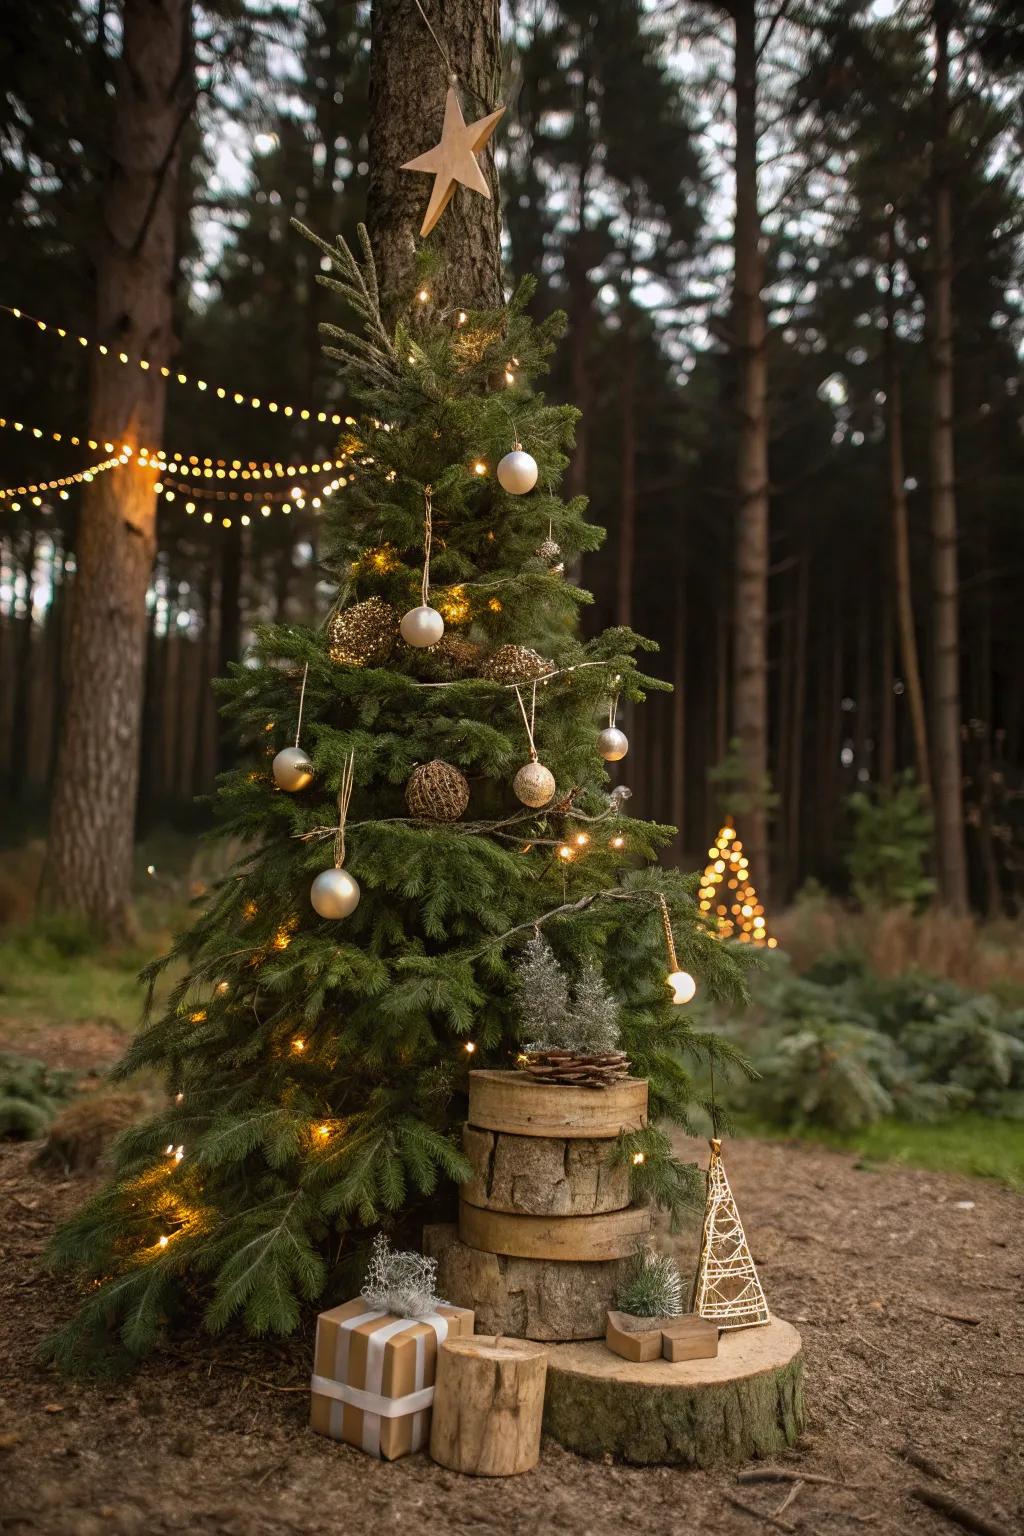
(595, 1071)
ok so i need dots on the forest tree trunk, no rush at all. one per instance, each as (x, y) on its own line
(627, 468)
(750, 663)
(89, 858)
(948, 786)
(408, 85)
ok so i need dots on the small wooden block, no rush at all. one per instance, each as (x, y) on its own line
(634, 1338)
(689, 1338)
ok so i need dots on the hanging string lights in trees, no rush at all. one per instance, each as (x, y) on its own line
(221, 392)
(727, 892)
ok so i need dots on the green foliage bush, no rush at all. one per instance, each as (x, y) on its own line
(30, 1095)
(892, 838)
(839, 1048)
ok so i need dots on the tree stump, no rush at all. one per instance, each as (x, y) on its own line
(541, 1176)
(488, 1405)
(746, 1402)
(527, 1298)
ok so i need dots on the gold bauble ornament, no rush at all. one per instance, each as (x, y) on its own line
(436, 791)
(364, 635)
(292, 770)
(335, 893)
(534, 785)
(514, 664)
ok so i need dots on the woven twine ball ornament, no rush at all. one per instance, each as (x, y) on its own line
(452, 658)
(436, 791)
(514, 664)
(593, 1071)
(364, 635)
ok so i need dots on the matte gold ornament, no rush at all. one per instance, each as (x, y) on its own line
(292, 770)
(517, 472)
(727, 1290)
(612, 744)
(454, 160)
(437, 791)
(364, 635)
(335, 893)
(514, 664)
(534, 785)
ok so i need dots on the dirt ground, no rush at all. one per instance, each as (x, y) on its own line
(906, 1287)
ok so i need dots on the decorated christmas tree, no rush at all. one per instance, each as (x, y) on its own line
(727, 893)
(424, 791)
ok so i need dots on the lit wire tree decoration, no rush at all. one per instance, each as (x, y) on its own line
(727, 1290)
(727, 893)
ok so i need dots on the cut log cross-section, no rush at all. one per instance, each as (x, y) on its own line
(593, 1239)
(746, 1402)
(488, 1405)
(514, 1102)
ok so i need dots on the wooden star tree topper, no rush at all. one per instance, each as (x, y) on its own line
(454, 158)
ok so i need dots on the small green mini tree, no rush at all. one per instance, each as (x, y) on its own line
(317, 1065)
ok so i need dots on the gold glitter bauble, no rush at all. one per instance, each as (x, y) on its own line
(362, 636)
(514, 664)
(534, 784)
(453, 657)
(437, 791)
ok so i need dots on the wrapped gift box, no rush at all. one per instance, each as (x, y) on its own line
(373, 1375)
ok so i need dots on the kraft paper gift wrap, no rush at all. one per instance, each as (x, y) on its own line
(373, 1375)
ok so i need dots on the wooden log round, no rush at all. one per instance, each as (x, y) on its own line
(746, 1402)
(514, 1102)
(541, 1176)
(589, 1239)
(488, 1405)
(528, 1298)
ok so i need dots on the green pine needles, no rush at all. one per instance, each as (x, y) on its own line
(653, 1286)
(316, 1069)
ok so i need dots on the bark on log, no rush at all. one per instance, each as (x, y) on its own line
(746, 1402)
(408, 85)
(488, 1405)
(517, 1104)
(590, 1239)
(527, 1298)
(537, 1176)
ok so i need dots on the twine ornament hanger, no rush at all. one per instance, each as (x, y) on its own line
(344, 798)
(529, 720)
(453, 159)
(302, 700)
(428, 536)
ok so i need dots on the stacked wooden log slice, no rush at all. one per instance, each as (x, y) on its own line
(545, 1223)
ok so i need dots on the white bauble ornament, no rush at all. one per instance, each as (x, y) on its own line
(612, 744)
(334, 893)
(421, 626)
(292, 770)
(534, 785)
(517, 472)
(684, 988)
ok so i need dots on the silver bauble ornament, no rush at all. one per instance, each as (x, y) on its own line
(534, 785)
(517, 472)
(421, 626)
(613, 744)
(334, 893)
(292, 770)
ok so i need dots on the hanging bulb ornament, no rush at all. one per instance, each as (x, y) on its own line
(292, 769)
(335, 893)
(612, 743)
(534, 784)
(684, 988)
(517, 471)
(423, 626)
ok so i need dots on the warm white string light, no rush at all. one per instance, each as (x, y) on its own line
(60, 484)
(234, 397)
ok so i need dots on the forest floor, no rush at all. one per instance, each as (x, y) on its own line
(906, 1286)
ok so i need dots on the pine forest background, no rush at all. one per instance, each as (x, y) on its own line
(617, 159)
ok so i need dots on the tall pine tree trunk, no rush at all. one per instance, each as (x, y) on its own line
(627, 467)
(909, 660)
(750, 662)
(948, 796)
(93, 815)
(408, 84)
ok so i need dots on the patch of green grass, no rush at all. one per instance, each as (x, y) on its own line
(972, 1144)
(53, 972)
